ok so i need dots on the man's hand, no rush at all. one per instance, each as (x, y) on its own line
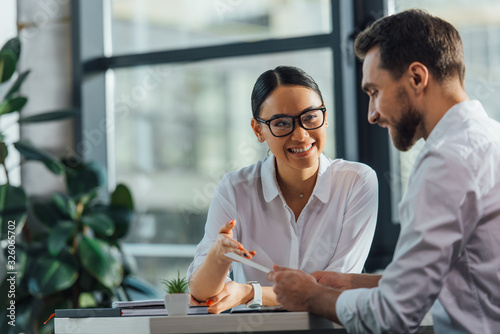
(292, 287)
(232, 295)
(297, 291)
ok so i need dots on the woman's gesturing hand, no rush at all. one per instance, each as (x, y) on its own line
(232, 295)
(226, 244)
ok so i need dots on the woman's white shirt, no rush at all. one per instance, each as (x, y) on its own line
(333, 232)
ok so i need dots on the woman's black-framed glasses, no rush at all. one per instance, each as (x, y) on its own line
(283, 125)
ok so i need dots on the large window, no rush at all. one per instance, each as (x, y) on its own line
(152, 25)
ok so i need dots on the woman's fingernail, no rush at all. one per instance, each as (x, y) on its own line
(209, 302)
(240, 248)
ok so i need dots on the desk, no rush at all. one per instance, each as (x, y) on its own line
(291, 322)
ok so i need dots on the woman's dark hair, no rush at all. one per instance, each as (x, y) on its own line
(414, 35)
(280, 76)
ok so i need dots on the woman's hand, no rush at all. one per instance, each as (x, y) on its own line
(346, 281)
(226, 244)
(333, 279)
(209, 279)
(232, 295)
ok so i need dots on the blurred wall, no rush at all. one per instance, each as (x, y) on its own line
(7, 20)
(45, 34)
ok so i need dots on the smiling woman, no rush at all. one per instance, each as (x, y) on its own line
(297, 149)
(296, 208)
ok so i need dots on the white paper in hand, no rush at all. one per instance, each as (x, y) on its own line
(243, 260)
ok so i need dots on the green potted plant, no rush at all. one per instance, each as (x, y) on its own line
(66, 252)
(177, 296)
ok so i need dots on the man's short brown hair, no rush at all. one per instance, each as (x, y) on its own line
(414, 35)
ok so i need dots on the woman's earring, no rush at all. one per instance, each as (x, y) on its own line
(260, 139)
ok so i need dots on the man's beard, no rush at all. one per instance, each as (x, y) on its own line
(403, 136)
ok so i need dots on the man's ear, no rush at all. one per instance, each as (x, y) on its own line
(257, 129)
(418, 76)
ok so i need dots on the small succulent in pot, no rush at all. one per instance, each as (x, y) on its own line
(176, 285)
(176, 297)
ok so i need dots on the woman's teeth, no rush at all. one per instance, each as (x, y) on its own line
(300, 150)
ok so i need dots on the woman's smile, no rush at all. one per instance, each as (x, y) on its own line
(302, 151)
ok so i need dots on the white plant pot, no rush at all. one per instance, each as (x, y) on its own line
(177, 303)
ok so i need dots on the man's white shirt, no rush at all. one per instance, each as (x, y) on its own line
(449, 245)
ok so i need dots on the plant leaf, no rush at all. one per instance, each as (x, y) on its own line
(176, 285)
(65, 205)
(48, 213)
(101, 260)
(122, 197)
(17, 84)
(60, 235)
(50, 275)
(14, 104)
(101, 224)
(50, 116)
(14, 45)
(87, 198)
(88, 283)
(121, 216)
(23, 262)
(36, 248)
(13, 210)
(4, 151)
(32, 153)
(8, 63)
(84, 178)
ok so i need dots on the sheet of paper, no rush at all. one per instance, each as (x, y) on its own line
(248, 262)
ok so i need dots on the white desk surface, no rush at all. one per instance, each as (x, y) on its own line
(243, 322)
(225, 323)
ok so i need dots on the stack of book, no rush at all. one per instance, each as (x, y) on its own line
(151, 307)
(137, 308)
